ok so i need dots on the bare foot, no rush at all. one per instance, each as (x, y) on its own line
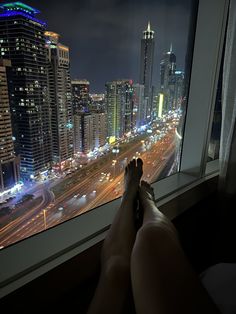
(133, 174)
(121, 235)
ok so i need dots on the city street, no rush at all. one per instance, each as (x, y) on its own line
(101, 185)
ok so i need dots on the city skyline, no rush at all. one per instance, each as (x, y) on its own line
(58, 130)
(41, 105)
(87, 26)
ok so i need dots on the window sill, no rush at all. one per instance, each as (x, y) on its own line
(212, 167)
(43, 252)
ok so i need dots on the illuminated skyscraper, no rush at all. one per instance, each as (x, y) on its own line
(90, 131)
(22, 41)
(83, 132)
(146, 67)
(140, 105)
(179, 89)
(80, 95)
(60, 99)
(168, 78)
(119, 105)
(97, 102)
(9, 172)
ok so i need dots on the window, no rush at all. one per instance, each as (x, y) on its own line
(65, 240)
(143, 73)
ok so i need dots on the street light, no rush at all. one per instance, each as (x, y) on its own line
(44, 219)
(114, 161)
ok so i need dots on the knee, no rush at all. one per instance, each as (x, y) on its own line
(154, 234)
(146, 237)
(151, 232)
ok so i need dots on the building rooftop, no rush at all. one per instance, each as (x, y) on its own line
(19, 6)
(14, 9)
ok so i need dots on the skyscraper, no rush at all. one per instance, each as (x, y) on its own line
(167, 69)
(9, 170)
(179, 89)
(146, 67)
(90, 131)
(80, 95)
(22, 41)
(83, 132)
(140, 105)
(60, 99)
(97, 102)
(119, 105)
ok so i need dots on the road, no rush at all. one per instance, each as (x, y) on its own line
(102, 185)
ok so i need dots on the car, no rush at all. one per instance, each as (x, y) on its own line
(61, 208)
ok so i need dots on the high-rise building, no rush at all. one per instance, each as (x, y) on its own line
(9, 167)
(97, 102)
(90, 131)
(83, 132)
(22, 41)
(99, 129)
(179, 89)
(155, 99)
(167, 69)
(119, 106)
(146, 67)
(80, 95)
(60, 99)
(140, 105)
(160, 105)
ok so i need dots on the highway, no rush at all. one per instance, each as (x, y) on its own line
(100, 186)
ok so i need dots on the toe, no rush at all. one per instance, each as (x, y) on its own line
(129, 167)
(140, 165)
(133, 163)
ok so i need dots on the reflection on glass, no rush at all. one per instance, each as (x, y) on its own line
(85, 87)
(214, 144)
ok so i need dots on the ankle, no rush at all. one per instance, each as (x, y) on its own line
(130, 193)
(147, 201)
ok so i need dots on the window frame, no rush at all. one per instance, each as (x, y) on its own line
(34, 256)
(201, 105)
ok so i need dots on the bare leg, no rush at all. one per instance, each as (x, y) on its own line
(114, 283)
(163, 281)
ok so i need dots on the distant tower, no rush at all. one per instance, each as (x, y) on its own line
(90, 131)
(146, 65)
(168, 78)
(139, 105)
(179, 89)
(119, 105)
(80, 95)
(60, 99)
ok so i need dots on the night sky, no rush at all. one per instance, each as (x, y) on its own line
(104, 35)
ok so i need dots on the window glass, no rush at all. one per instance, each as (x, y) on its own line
(85, 86)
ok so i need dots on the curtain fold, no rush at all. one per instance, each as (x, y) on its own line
(227, 158)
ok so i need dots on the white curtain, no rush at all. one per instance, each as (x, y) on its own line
(227, 177)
